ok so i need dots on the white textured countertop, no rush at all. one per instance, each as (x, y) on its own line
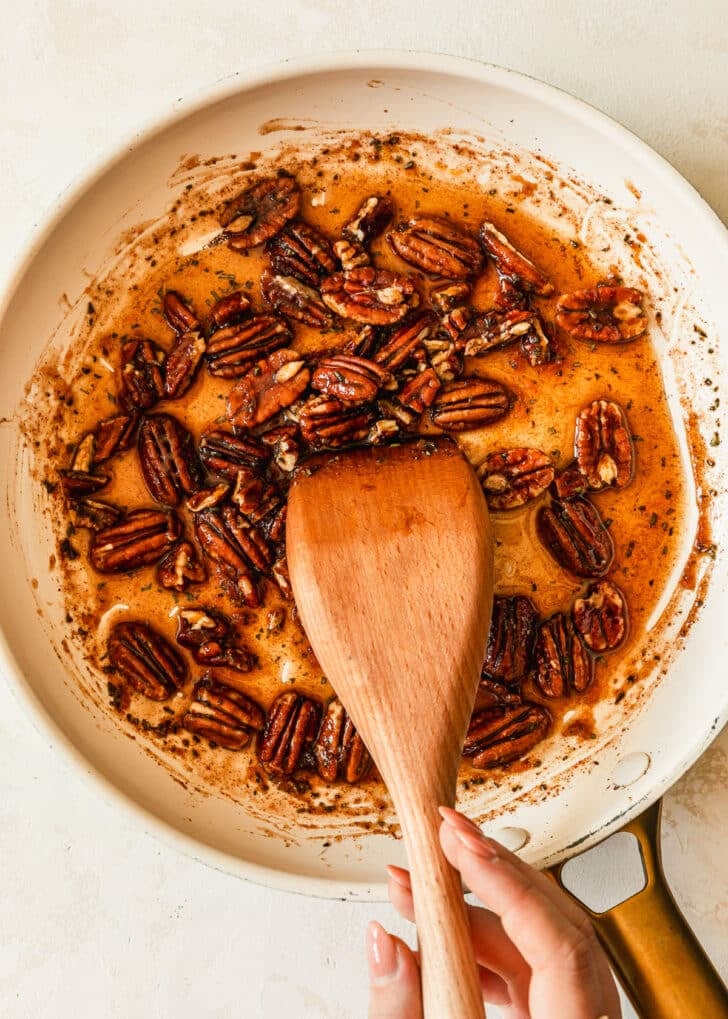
(96, 916)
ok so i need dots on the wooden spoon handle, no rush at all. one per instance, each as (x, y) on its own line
(450, 984)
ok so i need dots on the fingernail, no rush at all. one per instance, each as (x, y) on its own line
(381, 953)
(469, 834)
(399, 875)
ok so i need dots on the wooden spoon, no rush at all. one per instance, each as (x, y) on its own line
(390, 557)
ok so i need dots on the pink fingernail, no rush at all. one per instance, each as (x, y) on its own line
(381, 953)
(399, 875)
(457, 820)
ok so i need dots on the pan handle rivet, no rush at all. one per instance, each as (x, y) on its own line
(629, 769)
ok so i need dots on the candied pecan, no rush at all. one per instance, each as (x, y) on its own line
(512, 477)
(602, 314)
(182, 363)
(372, 296)
(206, 498)
(339, 749)
(510, 297)
(260, 211)
(437, 247)
(575, 535)
(286, 448)
(497, 736)
(146, 660)
(291, 728)
(180, 316)
(404, 341)
(198, 625)
(232, 350)
(77, 484)
(275, 526)
(563, 663)
(601, 616)
(447, 298)
(230, 310)
(84, 455)
(223, 715)
(272, 384)
(326, 421)
(603, 445)
(383, 430)
(300, 250)
(457, 322)
(93, 516)
(141, 377)
(569, 482)
(235, 547)
(295, 299)
(365, 343)
(351, 255)
(394, 410)
(180, 567)
(496, 329)
(113, 435)
(470, 403)
(139, 539)
(254, 496)
(420, 391)
(369, 220)
(511, 638)
(512, 263)
(280, 574)
(224, 453)
(350, 379)
(536, 343)
(492, 694)
(445, 359)
(168, 459)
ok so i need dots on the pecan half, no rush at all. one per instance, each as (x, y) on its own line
(536, 344)
(295, 299)
(223, 715)
(182, 363)
(511, 638)
(602, 314)
(168, 459)
(203, 632)
(232, 350)
(300, 250)
(437, 247)
(141, 376)
(470, 403)
(510, 297)
(77, 484)
(404, 341)
(292, 725)
(349, 379)
(575, 535)
(326, 421)
(178, 313)
(447, 298)
(146, 660)
(206, 498)
(492, 694)
(236, 548)
(271, 385)
(369, 220)
(444, 358)
(603, 445)
(496, 329)
(279, 572)
(510, 262)
(285, 445)
(339, 749)
(230, 310)
(563, 663)
(139, 539)
(601, 616)
(113, 435)
(224, 453)
(569, 482)
(513, 477)
(421, 391)
(92, 515)
(351, 255)
(365, 343)
(456, 324)
(180, 567)
(260, 211)
(254, 496)
(372, 296)
(497, 736)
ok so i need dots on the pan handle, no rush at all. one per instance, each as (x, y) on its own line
(660, 963)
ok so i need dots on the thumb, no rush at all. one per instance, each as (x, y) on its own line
(394, 977)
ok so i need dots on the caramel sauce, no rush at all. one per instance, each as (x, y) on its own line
(646, 519)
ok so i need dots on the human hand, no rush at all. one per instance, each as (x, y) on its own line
(538, 956)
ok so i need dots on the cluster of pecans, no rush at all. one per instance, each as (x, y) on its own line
(219, 503)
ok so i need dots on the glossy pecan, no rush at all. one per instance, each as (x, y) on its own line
(168, 459)
(368, 295)
(203, 632)
(279, 572)
(271, 385)
(492, 694)
(327, 422)
(349, 379)
(254, 496)
(260, 211)
(602, 314)
(365, 344)
(292, 724)
(448, 297)
(141, 538)
(339, 749)
(232, 350)
(275, 526)
(302, 251)
(91, 515)
(470, 403)
(206, 498)
(511, 638)
(384, 430)
(569, 482)
(285, 445)
(224, 453)
(223, 715)
(496, 329)
(369, 220)
(295, 299)
(180, 567)
(236, 548)
(146, 660)
(437, 247)
(78, 484)
(351, 255)
(113, 435)
(229, 310)
(404, 341)
(510, 296)
(179, 314)
(141, 375)
(563, 662)
(603, 445)
(575, 535)
(497, 736)
(536, 344)
(601, 616)
(510, 262)
(183, 362)
(420, 391)
(513, 477)
(457, 323)
(444, 358)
